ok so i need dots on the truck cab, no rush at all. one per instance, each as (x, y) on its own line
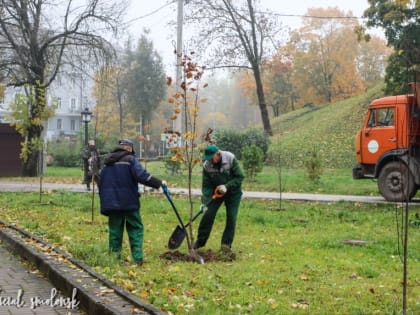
(388, 147)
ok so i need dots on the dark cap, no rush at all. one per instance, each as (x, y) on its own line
(126, 142)
(209, 152)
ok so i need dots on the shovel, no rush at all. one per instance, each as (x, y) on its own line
(197, 257)
(168, 196)
(178, 235)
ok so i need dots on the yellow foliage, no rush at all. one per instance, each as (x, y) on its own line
(189, 135)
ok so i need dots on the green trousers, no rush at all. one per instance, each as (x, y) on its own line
(231, 202)
(132, 222)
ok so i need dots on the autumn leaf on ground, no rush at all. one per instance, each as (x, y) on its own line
(104, 291)
(303, 277)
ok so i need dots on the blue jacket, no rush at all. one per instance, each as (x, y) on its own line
(118, 185)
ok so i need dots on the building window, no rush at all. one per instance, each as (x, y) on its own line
(58, 102)
(59, 124)
(72, 125)
(73, 105)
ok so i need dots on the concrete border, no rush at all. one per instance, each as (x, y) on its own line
(67, 274)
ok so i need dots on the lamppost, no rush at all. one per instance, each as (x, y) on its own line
(86, 118)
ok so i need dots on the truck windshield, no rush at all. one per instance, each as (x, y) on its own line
(381, 117)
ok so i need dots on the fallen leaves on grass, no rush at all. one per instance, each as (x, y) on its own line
(208, 256)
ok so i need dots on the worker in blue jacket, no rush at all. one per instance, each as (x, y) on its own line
(119, 197)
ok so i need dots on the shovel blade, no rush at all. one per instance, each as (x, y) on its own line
(176, 238)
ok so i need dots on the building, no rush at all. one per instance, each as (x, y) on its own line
(10, 161)
(71, 92)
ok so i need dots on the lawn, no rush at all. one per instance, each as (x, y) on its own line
(289, 261)
(333, 181)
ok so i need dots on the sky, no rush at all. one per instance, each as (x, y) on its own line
(155, 14)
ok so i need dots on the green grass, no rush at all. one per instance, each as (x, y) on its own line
(329, 129)
(291, 261)
(333, 181)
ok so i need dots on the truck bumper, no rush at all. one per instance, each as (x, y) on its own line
(363, 171)
(358, 173)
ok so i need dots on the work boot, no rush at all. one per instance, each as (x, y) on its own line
(226, 253)
(195, 245)
(139, 263)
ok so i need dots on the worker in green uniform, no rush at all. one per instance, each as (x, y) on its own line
(223, 174)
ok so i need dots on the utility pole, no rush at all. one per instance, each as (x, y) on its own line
(177, 123)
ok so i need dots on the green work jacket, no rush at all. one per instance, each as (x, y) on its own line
(228, 173)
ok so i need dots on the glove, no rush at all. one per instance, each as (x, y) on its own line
(221, 189)
(164, 183)
(203, 208)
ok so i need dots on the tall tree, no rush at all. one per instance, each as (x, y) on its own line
(401, 22)
(398, 75)
(239, 34)
(111, 112)
(281, 91)
(145, 80)
(323, 52)
(36, 38)
(372, 60)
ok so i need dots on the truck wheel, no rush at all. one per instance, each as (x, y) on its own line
(396, 183)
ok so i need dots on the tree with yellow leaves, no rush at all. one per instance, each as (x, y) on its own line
(111, 114)
(186, 102)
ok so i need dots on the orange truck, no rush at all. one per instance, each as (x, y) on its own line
(388, 146)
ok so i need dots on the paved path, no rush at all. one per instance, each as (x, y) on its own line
(22, 187)
(70, 282)
(26, 187)
(24, 290)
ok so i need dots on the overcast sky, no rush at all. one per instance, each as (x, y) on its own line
(155, 14)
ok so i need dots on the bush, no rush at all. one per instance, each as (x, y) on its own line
(172, 165)
(313, 166)
(252, 161)
(230, 140)
(258, 138)
(64, 153)
(236, 142)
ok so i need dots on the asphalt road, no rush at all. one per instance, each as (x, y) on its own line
(26, 187)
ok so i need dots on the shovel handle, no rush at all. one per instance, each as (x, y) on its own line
(168, 196)
(193, 218)
(216, 195)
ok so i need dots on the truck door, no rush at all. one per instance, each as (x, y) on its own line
(379, 135)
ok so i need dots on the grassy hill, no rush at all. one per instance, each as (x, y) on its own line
(329, 130)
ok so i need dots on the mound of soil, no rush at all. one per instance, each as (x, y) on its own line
(208, 256)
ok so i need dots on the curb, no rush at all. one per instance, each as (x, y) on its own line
(68, 274)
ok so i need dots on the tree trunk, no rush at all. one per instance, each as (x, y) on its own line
(261, 102)
(33, 141)
(30, 166)
(276, 110)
